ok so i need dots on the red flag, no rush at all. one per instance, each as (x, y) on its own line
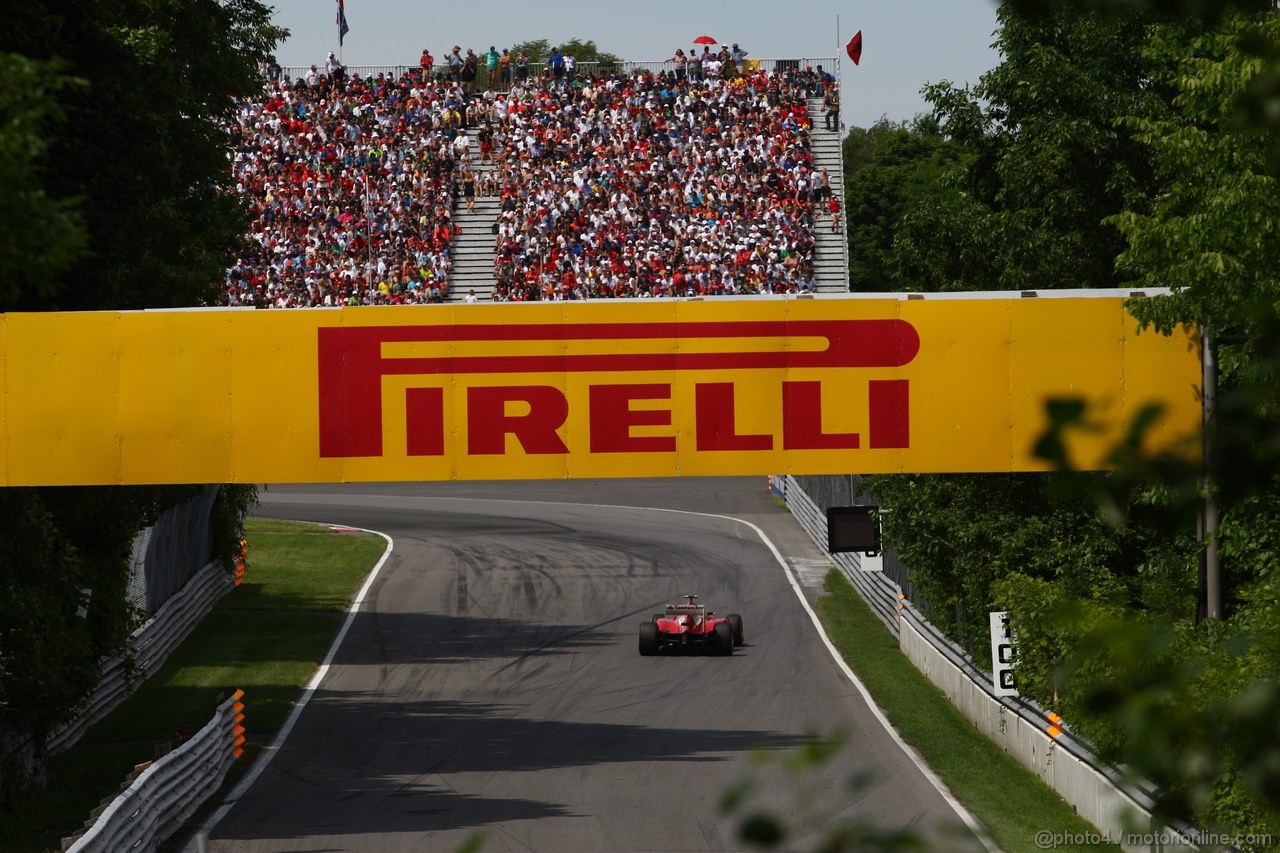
(854, 48)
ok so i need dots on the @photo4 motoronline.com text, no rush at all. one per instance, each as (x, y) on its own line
(1047, 839)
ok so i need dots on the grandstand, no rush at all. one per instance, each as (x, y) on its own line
(628, 182)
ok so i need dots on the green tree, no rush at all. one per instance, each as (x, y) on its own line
(1193, 706)
(1036, 162)
(1041, 160)
(40, 236)
(115, 196)
(1107, 632)
(889, 167)
(583, 51)
(141, 148)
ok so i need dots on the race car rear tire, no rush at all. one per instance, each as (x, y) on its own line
(724, 639)
(648, 638)
(735, 622)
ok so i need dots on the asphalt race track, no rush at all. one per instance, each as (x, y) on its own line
(492, 681)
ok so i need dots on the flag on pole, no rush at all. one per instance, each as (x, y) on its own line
(854, 48)
(343, 29)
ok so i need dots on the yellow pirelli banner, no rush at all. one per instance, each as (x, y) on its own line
(595, 389)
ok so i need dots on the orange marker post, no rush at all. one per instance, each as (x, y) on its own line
(237, 707)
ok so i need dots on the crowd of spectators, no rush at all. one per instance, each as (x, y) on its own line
(654, 185)
(352, 186)
(699, 180)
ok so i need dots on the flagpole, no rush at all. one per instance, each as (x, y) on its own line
(839, 73)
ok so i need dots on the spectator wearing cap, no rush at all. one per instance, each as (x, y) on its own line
(555, 61)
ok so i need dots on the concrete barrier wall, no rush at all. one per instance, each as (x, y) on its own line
(1093, 794)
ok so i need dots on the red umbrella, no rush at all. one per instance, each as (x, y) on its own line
(705, 40)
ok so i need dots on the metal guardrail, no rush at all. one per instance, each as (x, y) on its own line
(149, 647)
(1099, 792)
(171, 789)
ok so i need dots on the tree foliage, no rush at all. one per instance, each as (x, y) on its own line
(1041, 162)
(140, 148)
(1196, 710)
(583, 51)
(1035, 162)
(889, 168)
(1137, 147)
(40, 236)
(113, 176)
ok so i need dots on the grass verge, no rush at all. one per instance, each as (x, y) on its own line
(267, 637)
(1012, 802)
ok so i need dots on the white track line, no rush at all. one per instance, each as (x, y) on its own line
(270, 752)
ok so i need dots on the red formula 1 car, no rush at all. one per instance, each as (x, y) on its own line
(690, 626)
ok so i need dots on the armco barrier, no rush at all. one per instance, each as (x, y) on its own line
(1017, 726)
(149, 646)
(171, 789)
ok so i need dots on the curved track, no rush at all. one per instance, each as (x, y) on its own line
(492, 681)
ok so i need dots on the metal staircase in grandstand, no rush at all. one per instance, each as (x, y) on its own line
(473, 248)
(831, 255)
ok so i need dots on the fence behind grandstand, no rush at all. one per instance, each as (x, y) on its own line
(582, 69)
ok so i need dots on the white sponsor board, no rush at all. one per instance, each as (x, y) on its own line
(1002, 654)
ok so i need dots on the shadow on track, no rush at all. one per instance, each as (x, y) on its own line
(391, 777)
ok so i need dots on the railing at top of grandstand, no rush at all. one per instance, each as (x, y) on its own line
(583, 69)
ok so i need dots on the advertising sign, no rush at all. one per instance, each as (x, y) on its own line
(582, 389)
(1002, 655)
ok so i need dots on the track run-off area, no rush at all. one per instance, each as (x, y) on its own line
(491, 681)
